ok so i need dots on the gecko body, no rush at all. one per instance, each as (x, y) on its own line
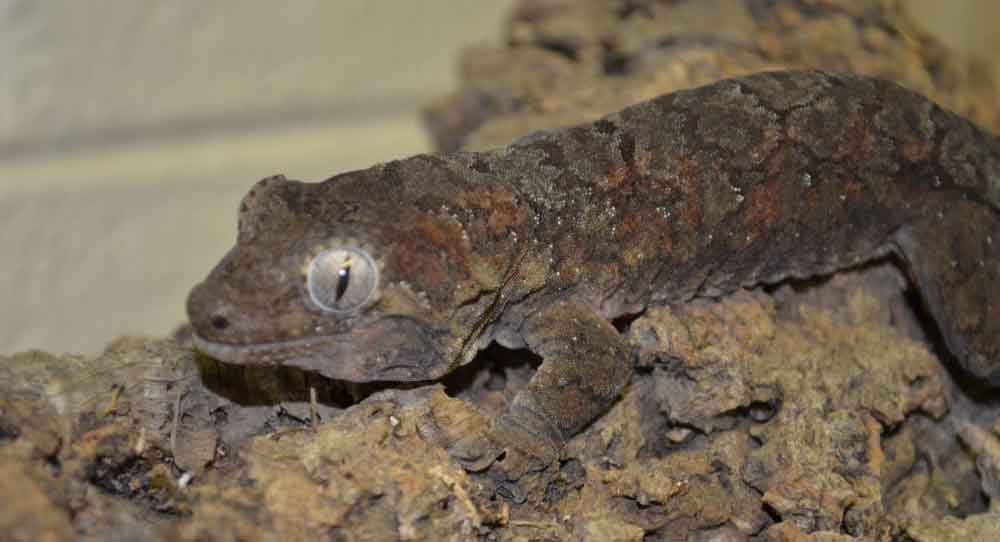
(402, 271)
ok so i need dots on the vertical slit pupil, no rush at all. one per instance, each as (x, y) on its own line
(343, 279)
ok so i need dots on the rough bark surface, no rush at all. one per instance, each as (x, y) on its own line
(814, 412)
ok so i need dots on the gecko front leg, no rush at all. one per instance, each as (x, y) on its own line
(586, 365)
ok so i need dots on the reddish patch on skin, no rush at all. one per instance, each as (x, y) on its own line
(915, 150)
(617, 177)
(630, 223)
(445, 236)
(433, 232)
(690, 212)
(666, 241)
(642, 159)
(504, 218)
(415, 259)
(502, 207)
(854, 146)
(763, 209)
(689, 208)
(686, 169)
(425, 265)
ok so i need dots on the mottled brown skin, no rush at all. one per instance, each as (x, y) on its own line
(542, 243)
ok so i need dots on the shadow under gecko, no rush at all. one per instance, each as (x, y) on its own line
(402, 271)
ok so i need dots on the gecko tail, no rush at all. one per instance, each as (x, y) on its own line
(954, 258)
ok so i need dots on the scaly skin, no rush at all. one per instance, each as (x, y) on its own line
(540, 244)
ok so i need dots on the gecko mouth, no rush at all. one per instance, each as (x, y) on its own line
(273, 353)
(397, 350)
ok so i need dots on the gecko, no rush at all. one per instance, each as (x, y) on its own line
(403, 271)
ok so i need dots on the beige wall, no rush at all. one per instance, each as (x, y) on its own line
(130, 129)
(970, 26)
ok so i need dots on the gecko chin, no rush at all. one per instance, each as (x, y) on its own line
(393, 350)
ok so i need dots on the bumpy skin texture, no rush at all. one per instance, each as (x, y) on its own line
(542, 243)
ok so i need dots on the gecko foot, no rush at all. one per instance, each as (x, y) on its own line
(475, 453)
(522, 451)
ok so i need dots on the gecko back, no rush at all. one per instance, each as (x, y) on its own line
(768, 177)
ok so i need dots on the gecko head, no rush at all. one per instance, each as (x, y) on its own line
(347, 277)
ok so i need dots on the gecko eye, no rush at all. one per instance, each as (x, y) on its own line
(341, 279)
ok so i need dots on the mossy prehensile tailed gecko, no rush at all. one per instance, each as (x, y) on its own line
(403, 271)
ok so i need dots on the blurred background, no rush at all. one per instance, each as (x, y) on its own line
(129, 130)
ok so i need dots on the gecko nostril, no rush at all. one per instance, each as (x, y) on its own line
(220, 322)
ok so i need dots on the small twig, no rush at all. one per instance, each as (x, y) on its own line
(176, 421)
(116, 393)
(313, 409)
(168, 380)
(140, 444)
(534, 524)
(185, 479)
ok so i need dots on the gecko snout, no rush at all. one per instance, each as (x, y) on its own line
(213, 318)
